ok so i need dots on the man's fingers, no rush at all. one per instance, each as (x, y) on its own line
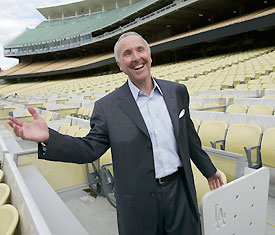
(33, 112)
(11, 121)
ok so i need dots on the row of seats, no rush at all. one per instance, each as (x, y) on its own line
(236, 108)
(9, 215)
(246, 139)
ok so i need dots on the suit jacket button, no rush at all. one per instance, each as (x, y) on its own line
(153, 194)
(149, 147)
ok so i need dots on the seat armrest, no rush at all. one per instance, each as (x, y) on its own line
(214, 144)
(248, 151)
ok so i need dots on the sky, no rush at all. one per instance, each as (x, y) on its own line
(15, 17)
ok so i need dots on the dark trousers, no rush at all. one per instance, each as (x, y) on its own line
(175, 215)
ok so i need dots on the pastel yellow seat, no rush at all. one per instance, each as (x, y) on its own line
(195, 105)
(196, 123)
(72, 130)
(268, 147)
(212, 131)
(236, 108)
(201, 183)
(243, 135)
(47, 116)
(64, 128)
(82, 132)
(4, 193)
(260, 109)
(8, 219)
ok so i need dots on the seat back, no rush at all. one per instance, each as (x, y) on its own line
(9, 219)
(72, 130)
(195, 105)
(260, 109)
(268, 147)
(242, 135)
(211, 131)
(82, 132)
(201, 183)
(236, 108)
(64, 128)
(47, 116)
(4, 193)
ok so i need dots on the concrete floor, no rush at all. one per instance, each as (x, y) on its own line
(99, 217)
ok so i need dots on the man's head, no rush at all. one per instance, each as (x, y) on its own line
(133, 56)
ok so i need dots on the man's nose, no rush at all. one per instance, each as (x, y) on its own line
(135, 56)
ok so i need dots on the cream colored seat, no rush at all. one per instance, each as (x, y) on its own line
(47, 116)
(8, 219)
(260, 109)
(64, 128)
(201, 183)
(195, 105)
(72, 130)
(211, 131)
(268, 147)
(4, 193)
(236, 108)
(82, 132)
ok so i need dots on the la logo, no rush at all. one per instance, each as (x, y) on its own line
(220, 216)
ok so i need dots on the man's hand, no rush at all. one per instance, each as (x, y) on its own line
(215, 181)
(37, 130)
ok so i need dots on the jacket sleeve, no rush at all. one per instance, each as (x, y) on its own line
(79, 150)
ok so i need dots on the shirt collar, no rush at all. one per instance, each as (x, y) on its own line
(135, 91)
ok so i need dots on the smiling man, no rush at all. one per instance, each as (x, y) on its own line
(147, 125)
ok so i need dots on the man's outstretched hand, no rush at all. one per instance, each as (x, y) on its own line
(37, 130)
(215, 181)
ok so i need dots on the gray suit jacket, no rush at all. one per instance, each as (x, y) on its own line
(117, 123)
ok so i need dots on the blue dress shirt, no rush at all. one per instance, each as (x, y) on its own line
(159, 125)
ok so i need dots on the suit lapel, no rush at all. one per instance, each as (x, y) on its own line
(171, 103)
(129, 106)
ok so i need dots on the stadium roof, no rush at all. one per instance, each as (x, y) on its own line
(81, 8)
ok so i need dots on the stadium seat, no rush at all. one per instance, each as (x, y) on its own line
(196, 123)
(8, 219)
(72, 130)
(210, 131)
(268, 147)
(4, 193)
(64, 128)
(195, 105)
(236, 108)
(260, 109)
(201, 183)
(47, 116)
(82, 132)
(242, 139)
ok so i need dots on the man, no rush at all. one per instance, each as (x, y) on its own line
(146, 123)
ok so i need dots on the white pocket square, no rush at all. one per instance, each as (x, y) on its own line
(182, 112)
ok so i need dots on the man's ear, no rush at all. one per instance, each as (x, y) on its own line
(118, 64)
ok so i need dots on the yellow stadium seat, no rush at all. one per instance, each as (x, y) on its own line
(201, 183)
(82, 132)
(8, 219)
(211, 131)
(268, 147)
(47, 116)
(4, 193)
(64, 128)
(72, 130)
(260, 109)
(195, 105)
(236, 108)
(241, 136)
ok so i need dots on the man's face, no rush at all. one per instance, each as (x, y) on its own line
(134, 58)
